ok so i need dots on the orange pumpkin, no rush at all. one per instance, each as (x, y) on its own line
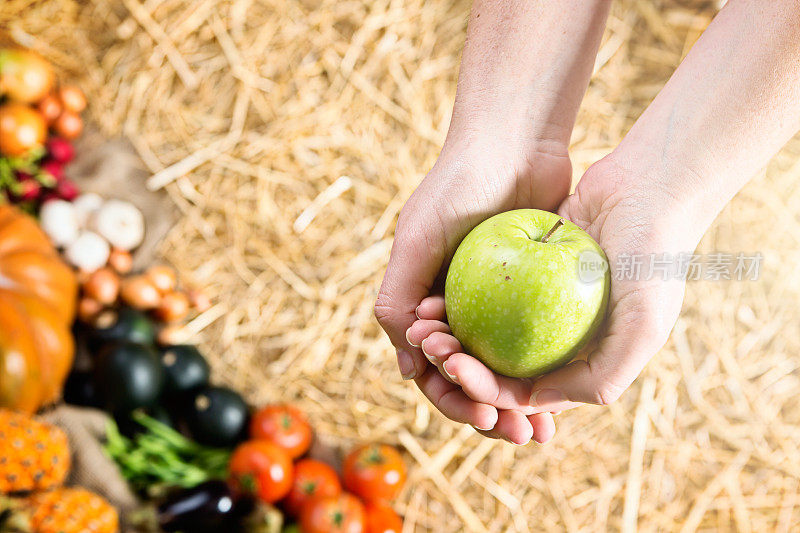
(37, 304)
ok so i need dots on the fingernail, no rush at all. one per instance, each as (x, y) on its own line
(450, 374)
(482, 429)
(406, 364)
(512, 442)
(409, 340)
(416, 312)
(430, 358)
(546, 397)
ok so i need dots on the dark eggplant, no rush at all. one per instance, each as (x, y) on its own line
(81, 389)
(185, 369)
(123, 325)
(216, 416)
(130, 376)
(210, 506)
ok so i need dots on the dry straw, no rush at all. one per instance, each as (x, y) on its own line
(249, 112)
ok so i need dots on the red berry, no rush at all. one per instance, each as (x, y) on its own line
(23, 176)
(67, 190)
(54, 168)
(60, 150)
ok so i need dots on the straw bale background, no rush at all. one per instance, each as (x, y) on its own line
(262, 105)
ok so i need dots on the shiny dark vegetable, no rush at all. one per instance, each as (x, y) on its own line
(123, 325)
(184, 369)
(130, 376)
(210, 506)
(217, 416)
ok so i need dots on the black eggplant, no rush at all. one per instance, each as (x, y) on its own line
(210, 506)
(185, 369)
(216, 416)
(130, 376)
(122, 325)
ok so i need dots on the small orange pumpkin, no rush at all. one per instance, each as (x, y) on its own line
(37, 305)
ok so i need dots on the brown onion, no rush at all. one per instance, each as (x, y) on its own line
(163, 277)
(140, 293)
(88, 309)
(69, 125)
(120, 260)
(174, 306)
(102, 285)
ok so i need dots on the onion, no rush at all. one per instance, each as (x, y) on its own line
(88, 309)
(102, 286)
(140, 293)
(174, 306)
(120, 260)
(163, 277)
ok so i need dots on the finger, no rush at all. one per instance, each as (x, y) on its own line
(635, 333)
(421, 329)
(438, 346)
(432, 308)
(410, 274)
(544, 427)
(483, 385)
(453, 403)
(513, 427)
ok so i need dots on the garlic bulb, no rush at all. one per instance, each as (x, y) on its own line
(121, 223)
(88, 252)
(86, 205)
(59, 221)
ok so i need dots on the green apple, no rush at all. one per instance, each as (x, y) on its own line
(525, 291)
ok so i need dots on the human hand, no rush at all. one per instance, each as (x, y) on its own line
(625, 215)
(459, 192)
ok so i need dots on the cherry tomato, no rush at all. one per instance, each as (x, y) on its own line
(284, 425)
(72, 98)
(375, 472)
(21, 128)
(24, 76)
(262, 469)
(312, 479)
(50, 108)
(382, 519)
(333, 514)
(68, 124)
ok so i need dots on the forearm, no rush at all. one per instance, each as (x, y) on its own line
(732, 103)
(524, 70)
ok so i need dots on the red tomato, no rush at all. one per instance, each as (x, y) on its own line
(311, 479)
(68, 124)
(283, 425)
(260, 468)
(382, 519)
(24, 76)
(21, 128)
(333, 514)
(375, 472)
(72, 98)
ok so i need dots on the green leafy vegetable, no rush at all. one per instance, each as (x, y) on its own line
(160, 458)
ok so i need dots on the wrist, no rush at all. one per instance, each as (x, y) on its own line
(671, 199)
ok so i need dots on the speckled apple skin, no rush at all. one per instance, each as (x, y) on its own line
(518, 304)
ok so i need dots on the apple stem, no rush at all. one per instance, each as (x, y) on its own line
(553, 230)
